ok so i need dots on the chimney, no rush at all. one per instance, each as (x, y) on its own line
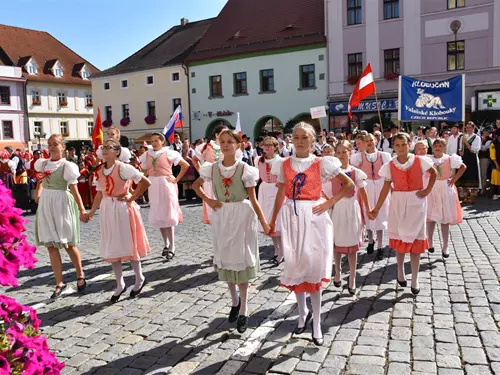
(184, 21)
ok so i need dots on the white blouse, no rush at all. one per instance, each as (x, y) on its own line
(201, 157)
(172, 156)
(71, 171)
(357, 159)
(455, 162)
(476, 144)
(359, 181)
(124, 157)
(127, 172)
(425, 164)
(250, 175)
(329, 165)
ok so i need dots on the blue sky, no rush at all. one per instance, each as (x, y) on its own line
(105, 31)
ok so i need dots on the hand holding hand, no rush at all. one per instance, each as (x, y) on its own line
(422, 193)
(372, 215)
(267, 229)
(214, 204)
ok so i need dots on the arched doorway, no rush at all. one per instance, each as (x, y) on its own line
(219, 121)
(267, 126)
(306, 117)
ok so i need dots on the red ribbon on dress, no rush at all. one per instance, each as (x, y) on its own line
(110, 185)
(227, 182)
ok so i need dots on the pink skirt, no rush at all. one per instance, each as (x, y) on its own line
(443, 205)
(207, 211)
(165, 211)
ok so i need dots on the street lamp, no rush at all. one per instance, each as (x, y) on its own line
(39, 135)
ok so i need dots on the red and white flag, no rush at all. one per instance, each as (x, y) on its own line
(364, 88)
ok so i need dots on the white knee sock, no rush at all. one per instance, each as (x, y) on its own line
(278, 251)
(164, 235)
(243, 287)
(303, 311)
(139, 277)
(380, 237)
(370, 236)
(445, 232)
(431, 226)
(234, 294)
(316, 306)
(170, 237)
(120, 283)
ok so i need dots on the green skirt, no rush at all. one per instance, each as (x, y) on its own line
(239, 277)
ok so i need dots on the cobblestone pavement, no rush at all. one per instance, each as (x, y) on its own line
(179, 323)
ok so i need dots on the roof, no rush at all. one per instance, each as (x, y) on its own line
(170, 48)
(249, 26)
(19, 45)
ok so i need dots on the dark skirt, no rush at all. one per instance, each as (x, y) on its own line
(471, 176)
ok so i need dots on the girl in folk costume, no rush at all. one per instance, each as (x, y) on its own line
(123, 237)
(346, 215)
(165, 212)
(210, 152)
(268, 190)
(306, 226)
(234, 222)
(408, 209)
(370, 163)
(114, 133)
(443, 206)
(495, 158)
(421, 148)
(57, 217)
(470, 182)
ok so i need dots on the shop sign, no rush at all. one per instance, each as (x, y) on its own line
(365, 106)
(487, 101)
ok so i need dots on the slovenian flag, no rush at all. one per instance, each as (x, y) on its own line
(174, 123)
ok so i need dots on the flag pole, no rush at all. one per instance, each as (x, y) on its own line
(378, 110)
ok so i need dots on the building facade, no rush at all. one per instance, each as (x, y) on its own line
(12, 107)
(264, 60)
(140, 94)
(428, 39)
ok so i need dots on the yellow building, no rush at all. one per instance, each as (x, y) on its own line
(140, 94)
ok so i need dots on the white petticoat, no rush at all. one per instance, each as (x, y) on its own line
(267, 197)
(347, 222)
(407, 217)
(373, 189)
(443, 205)
(234, 229)
(307, 243)
(164, 211)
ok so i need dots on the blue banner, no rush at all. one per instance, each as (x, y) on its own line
(430, 101)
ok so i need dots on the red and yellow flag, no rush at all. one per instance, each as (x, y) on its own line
(97, 134)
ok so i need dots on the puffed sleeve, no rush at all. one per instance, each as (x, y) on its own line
(174, 156)
(356, 159)
(71, 173)
(386, 157)
(206, 171)
(455, 161)
(330, 167)
(360, 178)
(39, 165)
(239, 154)
(199, 154)
(143, 158)
(277, 170)
(250, 176)
(127, 172)
(385, 171)
(476, 144)
(99, 152)
(426, 163)
(125, 155)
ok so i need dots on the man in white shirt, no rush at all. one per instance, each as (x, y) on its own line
(454, 141)
(321, 141)
(385, 143)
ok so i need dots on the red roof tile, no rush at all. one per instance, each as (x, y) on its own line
(19, 45)
(247, 26)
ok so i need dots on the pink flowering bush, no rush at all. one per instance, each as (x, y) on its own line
(23, 350)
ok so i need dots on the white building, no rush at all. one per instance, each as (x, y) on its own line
(263, 63)
(59, 95)
(12, 107)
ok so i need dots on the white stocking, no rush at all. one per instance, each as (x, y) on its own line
(380, 237)
(139, 277)
(303, 311)
(445, 232)
(164, 235)
(243, 287)
(170, 238)
(120, 283)
(234, 294)
(431, 226)
(316, 306)
(370, 236)
(278, 250)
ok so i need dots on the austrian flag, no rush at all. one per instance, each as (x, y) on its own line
(364, 88)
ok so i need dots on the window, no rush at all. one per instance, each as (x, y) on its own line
(240, 83)
(58, 72)
(90, 128)
(35, 97)
(216, 86)
(85, 74)
(150, 80)
(63, 125)
(193, 74)
(151, 106)
(88, 100)
(307, 77)
(106, 86)
(125, 111)
(175, 77)
(353, 12)
(108, 110)
(32, 69)
(5, 95)
(267, 80)
(355, 65)
(8, 129)
(38, 127)
(456, 55)
(62, 101)
(452, 4)
(391, 61)
(124, 84)
(175, 103)
(391, 9)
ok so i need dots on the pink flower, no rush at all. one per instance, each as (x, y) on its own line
(4, 365)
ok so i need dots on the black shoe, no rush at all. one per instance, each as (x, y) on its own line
(235, 311)
(300, 330)
(370, 248)
(352, 291)
(274, 259)
(170, 255)
(165, 251)
(58, 291)
(337, 284)
(380, 254)
(430, 250)
(277, 262)
(317, 342)
(415, 291)
(446, 255)
(81, 288)
(116, 298)
(134, 293)
(242, 323)
(403, 284)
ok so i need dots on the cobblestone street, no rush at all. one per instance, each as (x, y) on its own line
(178, 325)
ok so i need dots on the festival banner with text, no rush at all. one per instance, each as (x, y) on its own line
(432, 101)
